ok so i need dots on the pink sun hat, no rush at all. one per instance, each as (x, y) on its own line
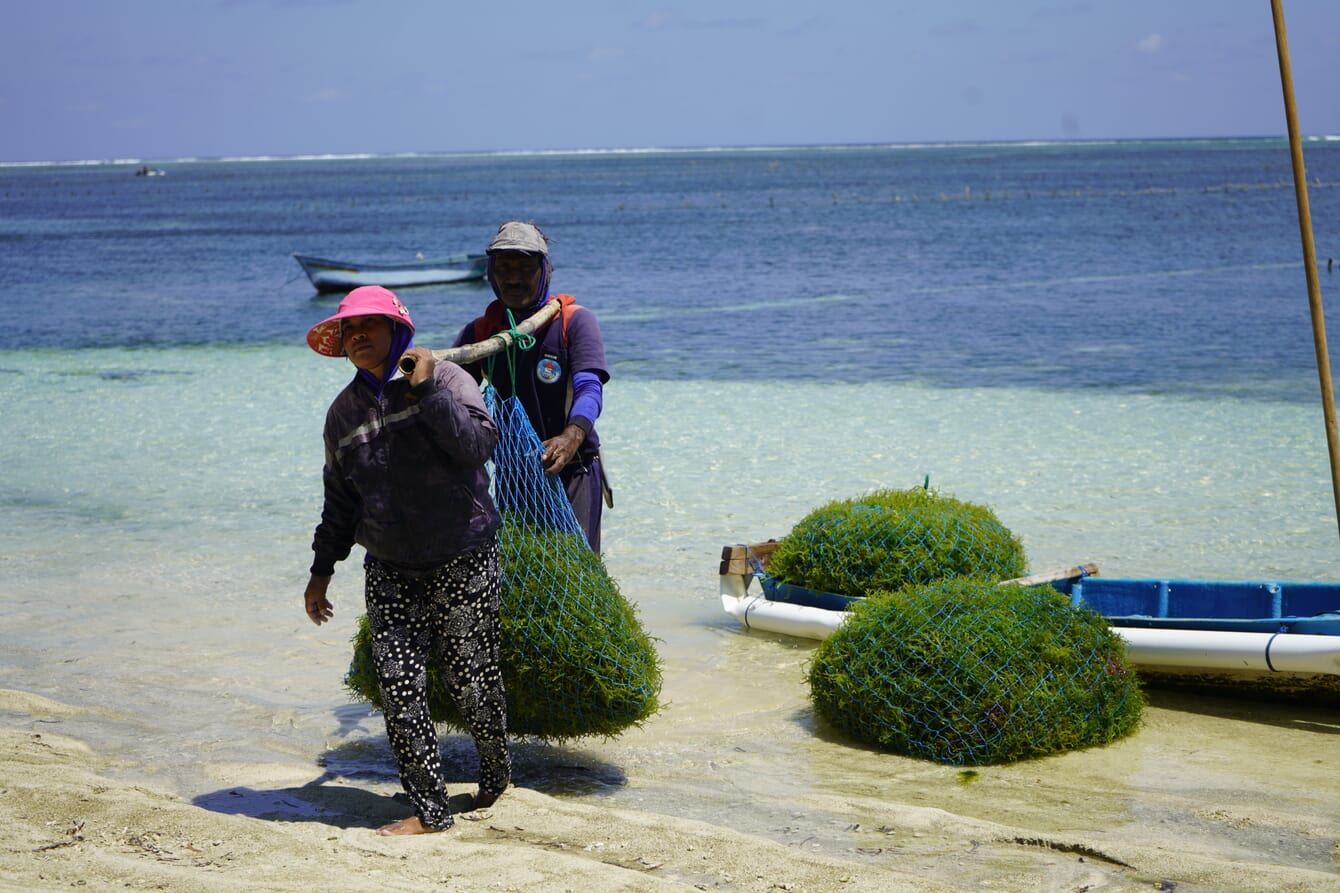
(366, 300)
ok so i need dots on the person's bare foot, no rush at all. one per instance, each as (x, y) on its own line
(411, 825)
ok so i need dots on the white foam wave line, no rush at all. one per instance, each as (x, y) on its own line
(651, 150)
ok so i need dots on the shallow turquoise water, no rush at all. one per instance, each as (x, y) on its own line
(155, 570)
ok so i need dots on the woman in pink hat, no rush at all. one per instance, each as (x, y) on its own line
(405, 478)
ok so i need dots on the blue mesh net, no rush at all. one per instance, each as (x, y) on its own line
(575, 657)
(522, 490)
(971, 672)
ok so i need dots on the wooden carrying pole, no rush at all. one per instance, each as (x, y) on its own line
(468, 353)
(1309, 255)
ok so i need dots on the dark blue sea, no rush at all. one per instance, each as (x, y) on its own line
(1165, 267)
(1107, 344)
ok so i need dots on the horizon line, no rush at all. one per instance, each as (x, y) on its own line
(648, 150)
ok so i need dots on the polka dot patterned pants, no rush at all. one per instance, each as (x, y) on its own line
(448, 617)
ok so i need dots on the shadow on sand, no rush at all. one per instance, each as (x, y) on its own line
(360, 788)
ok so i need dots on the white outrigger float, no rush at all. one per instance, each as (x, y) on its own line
(1272, 636)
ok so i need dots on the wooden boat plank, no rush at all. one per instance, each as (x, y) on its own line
(1065, 573)
(740, 558)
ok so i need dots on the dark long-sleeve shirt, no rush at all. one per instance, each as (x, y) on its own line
(405, 475)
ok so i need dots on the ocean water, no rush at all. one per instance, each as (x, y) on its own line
(1108, 344)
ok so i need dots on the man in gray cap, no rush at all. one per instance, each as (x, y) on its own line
(559, 379)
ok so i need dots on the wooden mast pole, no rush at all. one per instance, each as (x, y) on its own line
(1309, 255)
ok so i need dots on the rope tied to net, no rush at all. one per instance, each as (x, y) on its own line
(514, 340)
(522, 340)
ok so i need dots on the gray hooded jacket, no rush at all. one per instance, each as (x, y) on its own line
(404, 474)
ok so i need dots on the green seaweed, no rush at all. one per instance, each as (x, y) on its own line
(575, 659)
(968, 672)
(889, 539)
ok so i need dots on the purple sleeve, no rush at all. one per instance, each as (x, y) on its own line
(587, 399)
(586, 349)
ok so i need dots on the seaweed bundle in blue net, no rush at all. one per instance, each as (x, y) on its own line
(890, 538)
(575, 659)
(971, 672)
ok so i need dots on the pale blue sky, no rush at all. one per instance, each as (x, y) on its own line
(164, 79)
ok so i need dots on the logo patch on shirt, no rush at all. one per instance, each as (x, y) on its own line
(547, 370)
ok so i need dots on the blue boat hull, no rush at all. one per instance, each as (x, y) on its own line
(1224, 605)
(1266, 639)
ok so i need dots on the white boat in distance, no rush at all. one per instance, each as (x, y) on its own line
(343, 275)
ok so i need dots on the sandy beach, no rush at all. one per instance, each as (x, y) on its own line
(1232, 796)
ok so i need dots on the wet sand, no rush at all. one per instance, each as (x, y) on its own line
(1210, 795)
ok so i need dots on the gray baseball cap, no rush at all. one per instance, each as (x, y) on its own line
(515, 235)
